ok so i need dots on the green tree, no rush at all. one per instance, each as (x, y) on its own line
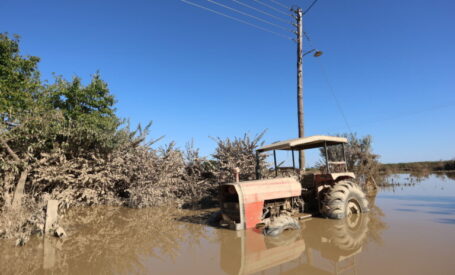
(35, 119)
(89, 113)
(92, 104)
(20, 87)
(19, 78)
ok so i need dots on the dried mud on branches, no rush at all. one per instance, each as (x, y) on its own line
(134, 175)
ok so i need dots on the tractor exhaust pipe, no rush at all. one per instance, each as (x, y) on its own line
(236, 172)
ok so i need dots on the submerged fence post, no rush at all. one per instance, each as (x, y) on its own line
(49, 253)
(51, 215)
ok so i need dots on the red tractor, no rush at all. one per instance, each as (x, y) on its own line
(278, 203)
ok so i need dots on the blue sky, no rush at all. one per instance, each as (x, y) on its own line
(195, 74)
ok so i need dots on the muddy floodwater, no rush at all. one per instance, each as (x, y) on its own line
(409, 230)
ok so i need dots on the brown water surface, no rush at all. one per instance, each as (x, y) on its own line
(410, 230)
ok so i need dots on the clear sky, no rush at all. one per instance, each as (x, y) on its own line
(390, 65)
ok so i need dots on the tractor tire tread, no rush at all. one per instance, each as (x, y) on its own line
(335, 202)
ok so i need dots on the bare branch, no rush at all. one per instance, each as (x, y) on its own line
(9, 150)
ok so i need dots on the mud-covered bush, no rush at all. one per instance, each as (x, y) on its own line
(19, 224)
(239, 152)
(63, 141)
(136, 176)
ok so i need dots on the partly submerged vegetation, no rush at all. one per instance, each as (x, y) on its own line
(62, 140)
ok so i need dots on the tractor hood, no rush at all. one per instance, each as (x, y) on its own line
(261, 190)
(242, 202)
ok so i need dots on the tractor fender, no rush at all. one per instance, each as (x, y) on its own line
(342, 176)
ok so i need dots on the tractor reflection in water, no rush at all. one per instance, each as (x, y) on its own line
(277, 204)
(319, 247)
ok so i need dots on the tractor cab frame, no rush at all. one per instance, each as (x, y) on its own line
(275, 203)
(305, 144)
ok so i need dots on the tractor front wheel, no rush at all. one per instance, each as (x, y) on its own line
(343, 199)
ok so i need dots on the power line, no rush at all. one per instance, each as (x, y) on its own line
(271, 7)
(340, 108)
(329, 84)
(402, 115)
(332, 92)
(247, 14)
(307, 37)
(236, 19)
(309, 7)
(261, 11)
(408, 114)
(279, 4)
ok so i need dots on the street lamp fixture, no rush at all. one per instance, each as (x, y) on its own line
(316, 53)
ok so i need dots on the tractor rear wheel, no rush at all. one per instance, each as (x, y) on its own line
(343, 199)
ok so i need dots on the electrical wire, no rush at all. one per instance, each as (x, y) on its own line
(393, 117)
(279, 4)
(409, 114)
(271, 7)
(248, 15)
(260, 11)
(332, 92)
(329, 84)
(307, 37)
(309, 7)
(236, 19)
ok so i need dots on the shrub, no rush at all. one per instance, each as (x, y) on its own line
(238, 152)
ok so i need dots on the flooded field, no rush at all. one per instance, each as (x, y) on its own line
(410, 230)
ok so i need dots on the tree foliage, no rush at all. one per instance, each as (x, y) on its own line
(64, 141)
(91, 104)
(20, 79)
(38, 120)
(359, 155)
(89, 114)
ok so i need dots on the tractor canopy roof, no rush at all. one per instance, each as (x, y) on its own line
(304, 143)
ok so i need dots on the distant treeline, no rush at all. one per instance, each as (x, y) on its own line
(431, 166)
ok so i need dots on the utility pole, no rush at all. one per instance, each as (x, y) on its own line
(298, 14)
(299, 25)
